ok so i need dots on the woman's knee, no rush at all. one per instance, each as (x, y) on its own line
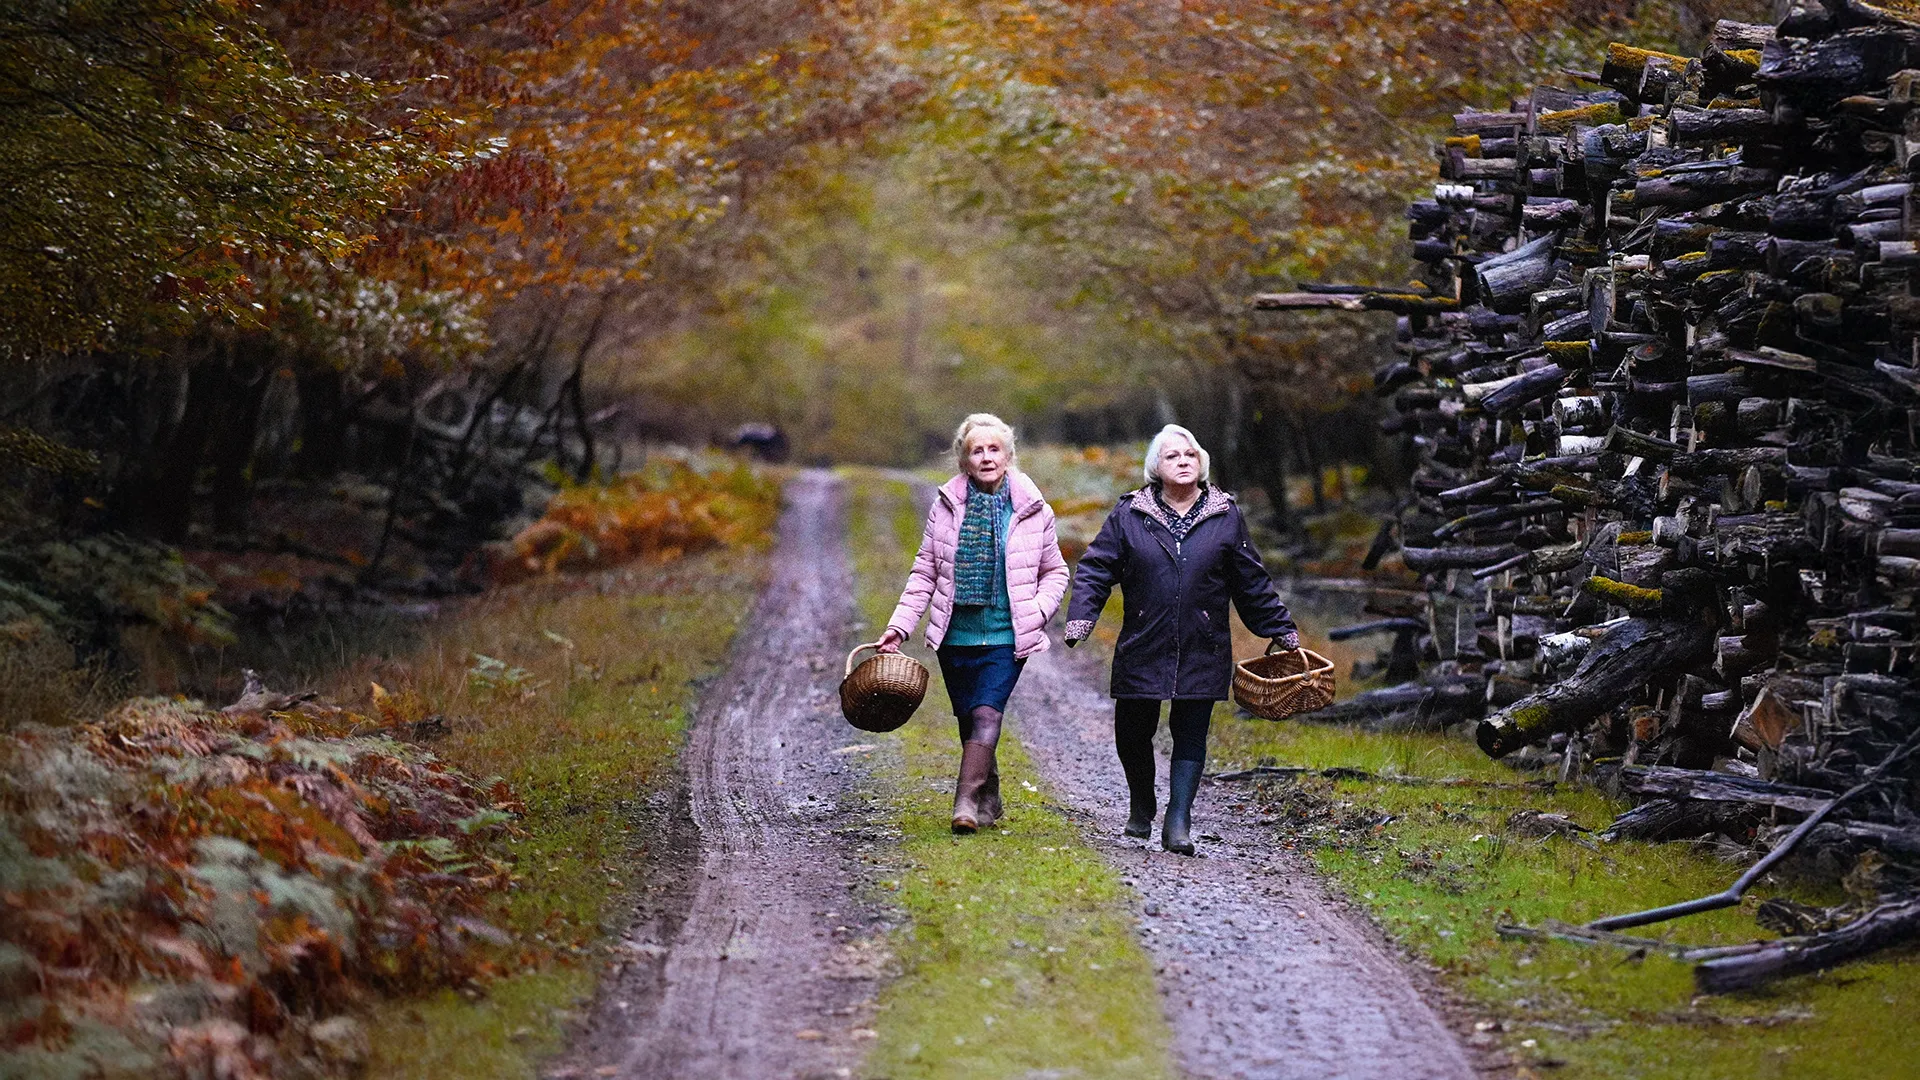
(986, 725)
(1189, 721)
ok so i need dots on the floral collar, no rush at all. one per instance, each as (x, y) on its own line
(1213, 501)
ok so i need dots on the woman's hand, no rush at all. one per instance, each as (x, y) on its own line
(890, 641)
(1287, 642)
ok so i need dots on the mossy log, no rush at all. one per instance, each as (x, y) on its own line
(1622, 661)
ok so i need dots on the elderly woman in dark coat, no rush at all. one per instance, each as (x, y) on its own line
(1179, 551)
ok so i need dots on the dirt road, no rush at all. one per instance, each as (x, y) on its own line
(758, 963)
(1262, 972)
(754, 967)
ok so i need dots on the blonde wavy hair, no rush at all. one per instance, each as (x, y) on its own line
(975, 424)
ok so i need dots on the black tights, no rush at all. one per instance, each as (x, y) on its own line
(1134, 722)
(1136, 719)
(982, 725)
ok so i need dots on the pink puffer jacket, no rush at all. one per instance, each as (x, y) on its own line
(1036, 571)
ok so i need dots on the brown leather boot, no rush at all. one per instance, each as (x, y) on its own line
(990, 808)
(976, 759)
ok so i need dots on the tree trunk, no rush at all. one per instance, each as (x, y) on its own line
(157, 499)
(323, 422)
(1266, 464)
(230, 449)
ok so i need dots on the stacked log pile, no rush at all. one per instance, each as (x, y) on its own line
(1663, 383)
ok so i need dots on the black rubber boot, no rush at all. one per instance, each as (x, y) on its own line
(1140, 803)
(1141, 806)
(1183, 781)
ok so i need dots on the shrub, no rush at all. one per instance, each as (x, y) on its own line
(661, 512)
(212, 889)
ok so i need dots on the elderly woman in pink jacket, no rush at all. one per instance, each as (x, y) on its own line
(990, 567)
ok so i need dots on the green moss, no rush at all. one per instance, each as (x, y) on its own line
(1529, 717)
(1445, 869)
(1020, 958)
(518, 1022)
(1563, 120)
(1632, 597)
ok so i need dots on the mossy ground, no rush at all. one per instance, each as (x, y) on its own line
(1019, 958)
(584, 719)
(1438, 867)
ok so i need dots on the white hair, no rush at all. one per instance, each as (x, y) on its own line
(976, 424)
(1152, 467)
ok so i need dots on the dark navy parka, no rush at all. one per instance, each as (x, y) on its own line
(1175, 640)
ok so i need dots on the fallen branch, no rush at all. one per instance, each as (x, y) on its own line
(1345, 772)
(1555, 930)
(1885, 925)
(1734, 892)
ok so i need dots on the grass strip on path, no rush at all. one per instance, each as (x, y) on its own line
(1019, 957)
(578, 692)
(1439, 867)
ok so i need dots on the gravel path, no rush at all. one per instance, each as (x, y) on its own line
(1263, 972)
(759, 964)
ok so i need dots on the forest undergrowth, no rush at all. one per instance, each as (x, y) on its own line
(418, 880)
(1439, 866)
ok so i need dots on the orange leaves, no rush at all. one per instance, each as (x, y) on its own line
(275, 860)
(661, 513)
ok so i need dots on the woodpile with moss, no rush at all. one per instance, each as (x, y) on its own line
(1662, 381)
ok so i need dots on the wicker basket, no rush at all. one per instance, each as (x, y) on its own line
(882, 693)
(1282, 684)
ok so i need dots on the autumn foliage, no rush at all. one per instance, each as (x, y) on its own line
(208, 889)
(662, 512)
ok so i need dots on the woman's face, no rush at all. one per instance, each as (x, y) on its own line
(986, 458)
(1179, 463)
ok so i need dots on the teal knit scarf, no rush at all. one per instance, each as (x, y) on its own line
(978, 562)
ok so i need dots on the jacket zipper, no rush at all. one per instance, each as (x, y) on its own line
(1180, 589)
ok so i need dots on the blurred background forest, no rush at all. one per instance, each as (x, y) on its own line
(310, 299)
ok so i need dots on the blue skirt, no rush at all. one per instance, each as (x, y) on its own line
(979, 675)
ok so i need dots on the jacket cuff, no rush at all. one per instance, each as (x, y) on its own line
(1079, 629)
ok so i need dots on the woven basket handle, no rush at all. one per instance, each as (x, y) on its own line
(1273, 646)
(874, 645)
(1315, 662)
(1315, 665)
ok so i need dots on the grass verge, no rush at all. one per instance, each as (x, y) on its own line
(577, 692)
(1439, 866)
(1019, 957)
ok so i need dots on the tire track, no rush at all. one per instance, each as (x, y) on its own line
(1263, 971)
(760, 963)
